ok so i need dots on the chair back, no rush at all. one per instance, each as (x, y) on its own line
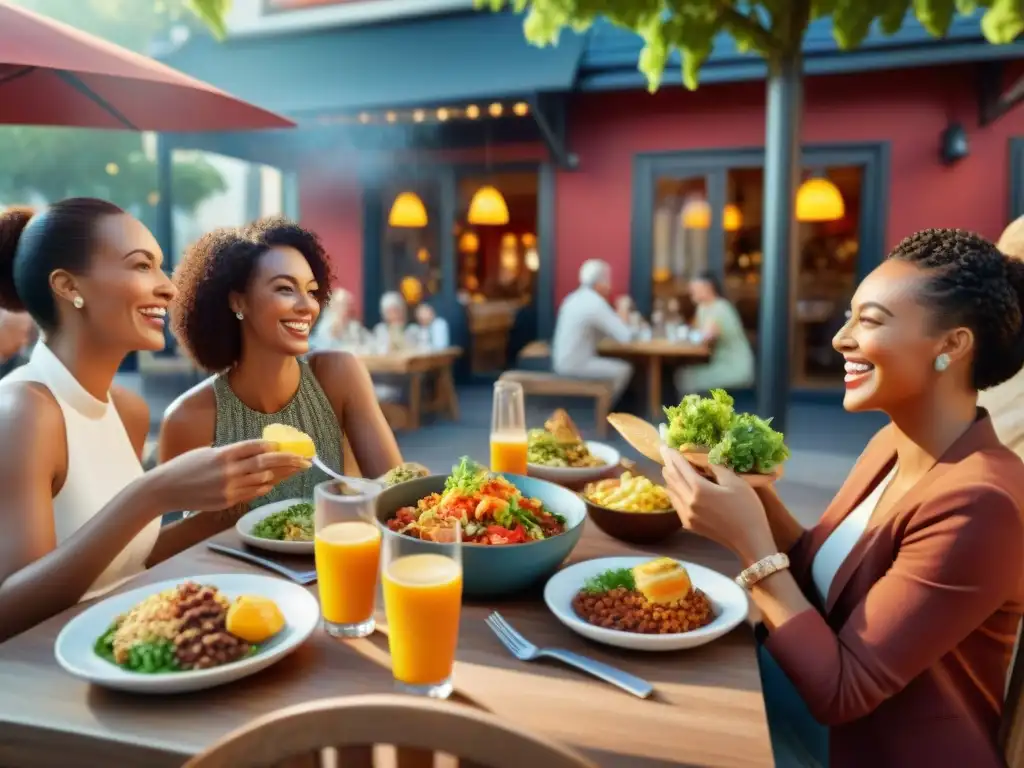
(1013, 710)
(306, 735)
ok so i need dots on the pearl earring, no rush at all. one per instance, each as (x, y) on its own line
(238, 315)
(78, 302)
(942, 362)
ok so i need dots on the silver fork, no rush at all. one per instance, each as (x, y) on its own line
(304, 578)
(524, 650)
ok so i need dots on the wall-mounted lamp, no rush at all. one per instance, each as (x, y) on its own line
(954, 146)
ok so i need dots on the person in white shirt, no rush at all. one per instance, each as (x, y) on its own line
(430, 328)
(337, 328)
(390, 331)
(584, 319)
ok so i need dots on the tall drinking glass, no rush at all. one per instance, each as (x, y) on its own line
(508, 429)
(422, 601)
(347, 549)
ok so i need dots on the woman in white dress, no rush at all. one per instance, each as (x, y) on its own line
(79, 516)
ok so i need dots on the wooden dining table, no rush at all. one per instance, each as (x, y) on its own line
(707, 709)
(417, 364)
(653, 354)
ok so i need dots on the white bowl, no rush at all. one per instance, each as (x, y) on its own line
(245, 525)
(75, 652)
(575, 475)
(727, 598)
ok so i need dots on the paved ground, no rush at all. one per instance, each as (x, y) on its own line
(824, 439)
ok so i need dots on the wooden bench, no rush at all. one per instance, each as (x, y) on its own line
(551, 384)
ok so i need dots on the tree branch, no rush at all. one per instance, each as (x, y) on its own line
(764, 38)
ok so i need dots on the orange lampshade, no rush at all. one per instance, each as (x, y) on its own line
(819, 200)
(488, 208)
(408, 212)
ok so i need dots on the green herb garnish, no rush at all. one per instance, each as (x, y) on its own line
(467, 477)
(292, 524)
(699, 422)
(611, 579)
(750, 445)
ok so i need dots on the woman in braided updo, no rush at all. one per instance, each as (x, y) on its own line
(894, 618)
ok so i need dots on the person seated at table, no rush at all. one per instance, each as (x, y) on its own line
(430, 328)
(1005, 403)
(247, 299)
(337, 328)
(732, 359)
(391, 332)
(79, 516)
(624, 308)
(585, 318)
(893, 619)
(17, 331)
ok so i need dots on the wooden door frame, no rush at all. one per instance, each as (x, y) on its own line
(714, 165)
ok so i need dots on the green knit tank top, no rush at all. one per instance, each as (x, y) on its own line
(309, 410)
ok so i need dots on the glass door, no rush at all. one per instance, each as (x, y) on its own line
(703, 211)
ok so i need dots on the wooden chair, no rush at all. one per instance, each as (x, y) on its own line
(1013, 711)
(304, 736)
(553, 385)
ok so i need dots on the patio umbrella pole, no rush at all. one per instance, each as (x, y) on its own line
(779, 238)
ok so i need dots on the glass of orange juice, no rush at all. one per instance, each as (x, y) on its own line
(508, 429)
(346, 545)
(422, 602)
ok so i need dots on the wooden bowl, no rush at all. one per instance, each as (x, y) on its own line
(634, 527)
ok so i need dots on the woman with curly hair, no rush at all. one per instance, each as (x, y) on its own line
(247, 300)
(893, 619)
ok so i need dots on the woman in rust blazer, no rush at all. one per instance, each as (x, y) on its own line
(895, 616)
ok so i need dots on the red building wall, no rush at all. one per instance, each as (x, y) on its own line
(909, 108)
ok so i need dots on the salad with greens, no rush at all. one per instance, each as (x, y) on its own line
(743, 442)
(489, 509)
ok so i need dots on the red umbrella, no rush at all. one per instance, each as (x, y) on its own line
(53, 74)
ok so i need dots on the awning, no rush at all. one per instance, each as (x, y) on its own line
(440, 60)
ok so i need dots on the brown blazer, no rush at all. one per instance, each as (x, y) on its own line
(907, 660)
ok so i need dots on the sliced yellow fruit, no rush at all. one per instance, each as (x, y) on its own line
(290, 440)
(662, 580)
(254, 618)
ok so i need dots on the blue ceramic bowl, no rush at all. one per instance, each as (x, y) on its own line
(493, 571)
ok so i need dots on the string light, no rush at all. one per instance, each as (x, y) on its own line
(113, 169)
(472, 111)
(522, 109)
(495, 109)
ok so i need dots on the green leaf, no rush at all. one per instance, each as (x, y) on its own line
(212, 13)
(1003, 22)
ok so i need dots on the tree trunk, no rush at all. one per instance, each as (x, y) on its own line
(779, 236)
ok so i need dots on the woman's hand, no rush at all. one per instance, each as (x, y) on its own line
(211, 479)
(729, 513)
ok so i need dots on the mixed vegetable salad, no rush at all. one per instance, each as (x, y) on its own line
(489, 508)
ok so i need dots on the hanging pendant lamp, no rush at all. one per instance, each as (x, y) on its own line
(488, 208)
(818, 199)
(697, 215)
(408, 212)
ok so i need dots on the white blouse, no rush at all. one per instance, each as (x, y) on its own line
(844, 538)
(101, 462)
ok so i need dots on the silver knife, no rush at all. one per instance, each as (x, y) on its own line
(304, 578)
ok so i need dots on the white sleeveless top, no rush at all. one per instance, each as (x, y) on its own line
(843, 539)
(101, 462)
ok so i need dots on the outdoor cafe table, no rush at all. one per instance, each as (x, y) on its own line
(415, 364)
(655, 352)
(707, 710)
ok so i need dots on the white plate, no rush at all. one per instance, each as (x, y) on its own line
(245, 525)
(727, 598)
(74, 647)
(574, 475)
